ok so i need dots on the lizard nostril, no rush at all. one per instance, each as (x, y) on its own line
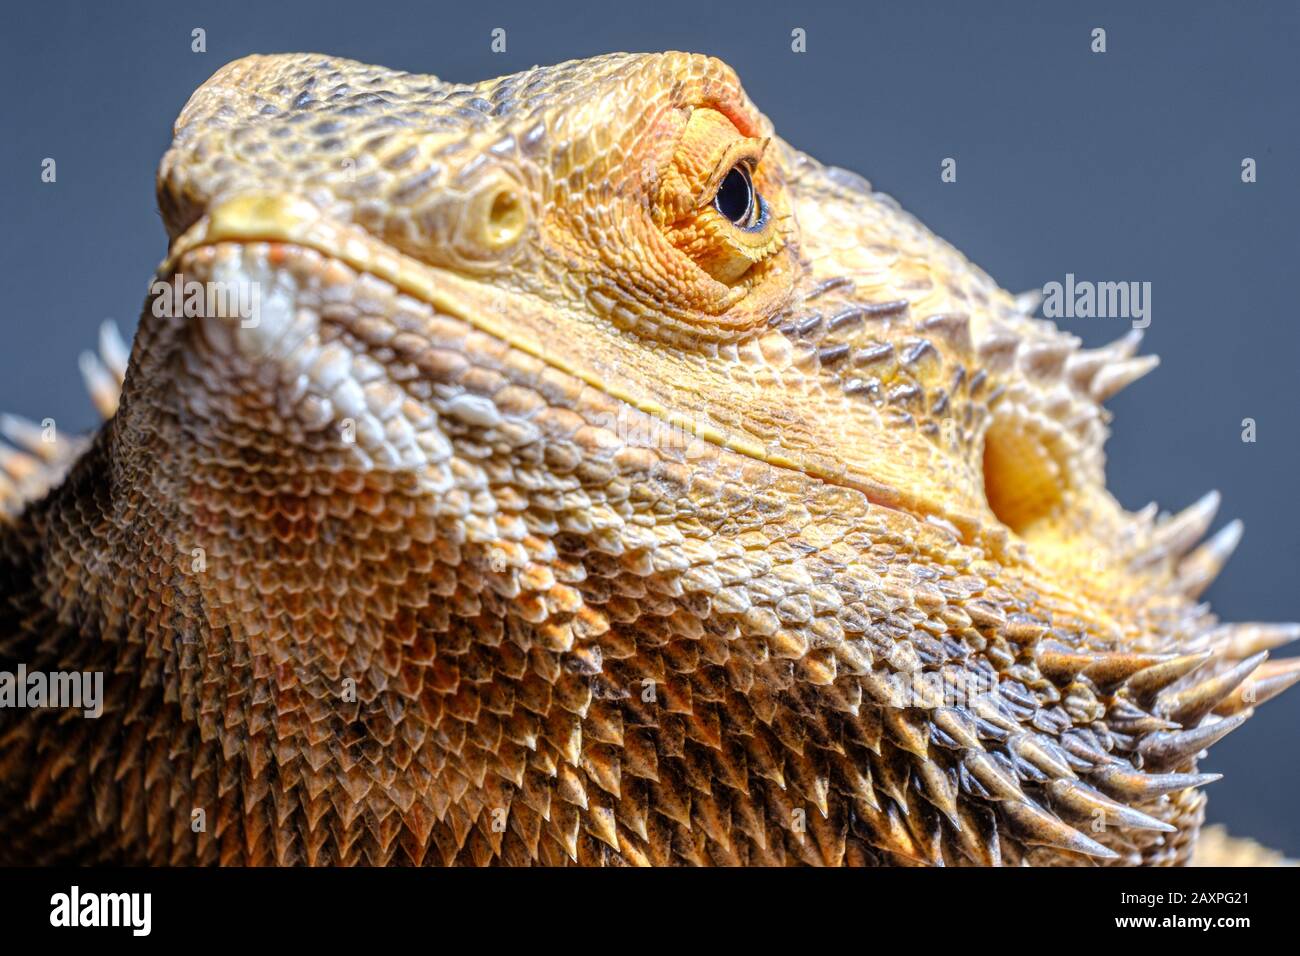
(488, 224)
(505, 218)
(1024, 480)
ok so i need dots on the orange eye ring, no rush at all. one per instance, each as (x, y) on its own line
(711, 207)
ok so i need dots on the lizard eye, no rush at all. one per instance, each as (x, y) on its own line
(711, 206)
(737, 200)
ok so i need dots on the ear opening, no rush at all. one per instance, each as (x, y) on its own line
(1024, 477)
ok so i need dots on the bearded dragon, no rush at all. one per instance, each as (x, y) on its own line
(595, 479)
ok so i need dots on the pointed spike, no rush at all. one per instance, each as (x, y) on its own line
(104, 391)
(1137, 723)
(995, 780)
(1271, 679)
(1126, 346)
(939, 790)
(1027, 303)
(1082, 367)
(1176, 535)
(1037, 827)
(1086, 801)
(908, 731)
(1242, 640)
(987, 707)
(1146, 515)
(1108, 382)
(1145, 684)
(18, 465)
(1189, 704)
(1199, 569)
(1113, 669)
(29, 436)
(1083, 747)
(1035, 751)
(978, 838)
(957, 725)
(892, 777)
(927, 831)
(1134, 786)
(1063, 666)
(1171, 747)
(1024, 629)
(113, 350)
(9, 495)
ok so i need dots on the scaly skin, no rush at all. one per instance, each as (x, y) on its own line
(546, 516)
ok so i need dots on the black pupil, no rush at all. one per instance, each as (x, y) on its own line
(735, 196)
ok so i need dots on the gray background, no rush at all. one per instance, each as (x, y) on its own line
(1122, 166)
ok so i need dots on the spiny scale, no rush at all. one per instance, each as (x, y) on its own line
(881, 611)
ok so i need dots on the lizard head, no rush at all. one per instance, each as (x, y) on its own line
(579, 382)
(633, 223)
